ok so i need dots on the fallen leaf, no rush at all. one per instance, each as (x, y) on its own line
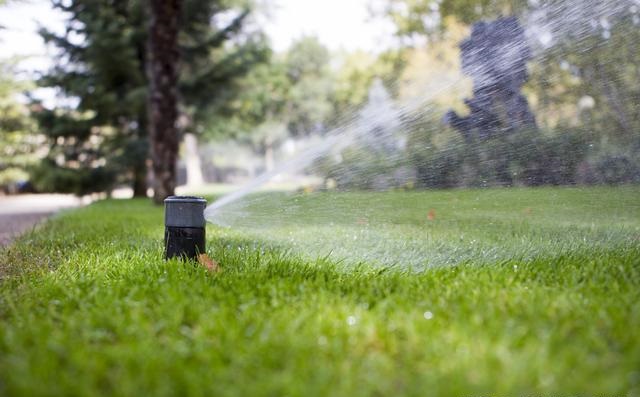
(431, 215)
(210, 264)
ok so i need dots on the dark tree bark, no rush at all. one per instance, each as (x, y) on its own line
(162, 69)
(140, 179)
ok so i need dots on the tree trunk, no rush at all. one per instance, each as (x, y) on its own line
(192, 161)
(140, 178)
(141, 155)
(162, 70)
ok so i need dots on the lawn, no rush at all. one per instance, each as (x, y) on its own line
(498, 292)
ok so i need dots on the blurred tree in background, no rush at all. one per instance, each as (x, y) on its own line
(99, 136)
(290, 96)
(18, 141)
(583, 90)
(356, 74)
(599, 76)
(299, 93)
(307, 68)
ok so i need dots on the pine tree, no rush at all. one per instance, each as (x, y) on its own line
(100, 137)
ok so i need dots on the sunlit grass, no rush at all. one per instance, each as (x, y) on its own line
(426, 229)
(88, 306)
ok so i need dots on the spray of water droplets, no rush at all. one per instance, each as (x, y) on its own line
(372, 151)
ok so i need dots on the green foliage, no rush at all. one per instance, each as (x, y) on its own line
(48, 176)
(89, 299)
(299, 93)
(17, 137)
(306, 58)
(525, 158)
(215, 58)
(441, 168)
(309, 106)
(356, 74)
(102, 65)
(611, 168)
(363, 170)
(288, 96)
(590, 81)
(583, 87)
(594, 80)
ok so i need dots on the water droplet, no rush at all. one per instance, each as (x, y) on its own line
(428, 315)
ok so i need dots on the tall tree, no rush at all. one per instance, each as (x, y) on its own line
(289, 96)
(163, 94)
(99, 137)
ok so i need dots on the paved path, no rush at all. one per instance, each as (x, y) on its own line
(19, 214)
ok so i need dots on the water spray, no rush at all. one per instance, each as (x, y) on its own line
(382, 130)
(184, 227)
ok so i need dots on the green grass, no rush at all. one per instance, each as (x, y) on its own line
(545, 302)
(479, 226)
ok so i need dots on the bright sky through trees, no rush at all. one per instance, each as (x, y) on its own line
(21, 21)
(338, 24)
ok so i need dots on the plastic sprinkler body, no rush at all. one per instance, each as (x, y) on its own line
(184, 227)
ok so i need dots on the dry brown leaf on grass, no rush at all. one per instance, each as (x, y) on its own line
(210, 264)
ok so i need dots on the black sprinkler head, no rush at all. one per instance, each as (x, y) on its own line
(184, 227)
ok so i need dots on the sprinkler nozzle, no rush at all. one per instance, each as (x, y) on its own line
(184, 227)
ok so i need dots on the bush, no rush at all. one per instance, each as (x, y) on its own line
(547, 159)
(438, 168)
(523, 158)
(49, 177)
(616, 169)
(366, 169)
